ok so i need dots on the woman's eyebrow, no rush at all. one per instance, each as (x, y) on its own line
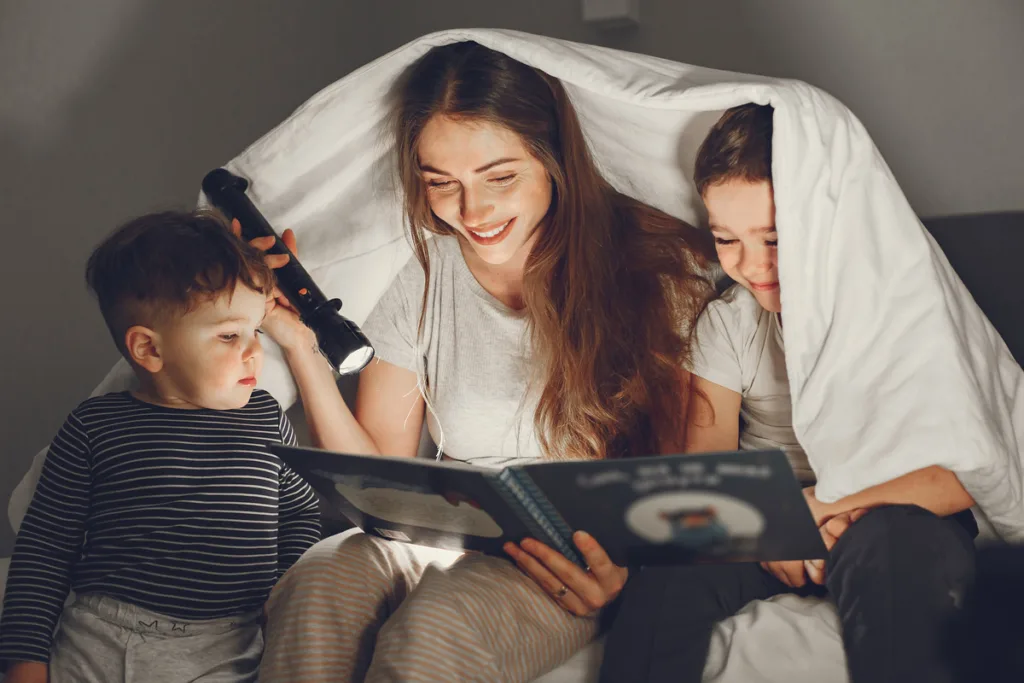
(485, 167)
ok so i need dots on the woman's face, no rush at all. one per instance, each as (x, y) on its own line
(483, 182)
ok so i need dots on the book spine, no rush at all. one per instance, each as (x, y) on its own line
(544, 518)
(516, 505)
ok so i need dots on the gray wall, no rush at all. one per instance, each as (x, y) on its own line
(115, 107)
(938, 83)
(111, 108)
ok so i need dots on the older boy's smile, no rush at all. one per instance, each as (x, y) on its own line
(742, 218)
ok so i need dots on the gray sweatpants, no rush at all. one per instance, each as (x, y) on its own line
(359, 609)
(103, 640)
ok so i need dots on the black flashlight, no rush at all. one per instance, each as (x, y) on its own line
(339, 339)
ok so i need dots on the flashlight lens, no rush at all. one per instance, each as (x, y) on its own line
(356, 361)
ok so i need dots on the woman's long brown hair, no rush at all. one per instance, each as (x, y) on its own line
(612, 286)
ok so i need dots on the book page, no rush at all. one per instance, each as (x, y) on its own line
(404, 505)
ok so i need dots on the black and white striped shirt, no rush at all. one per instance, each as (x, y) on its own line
(182, 512)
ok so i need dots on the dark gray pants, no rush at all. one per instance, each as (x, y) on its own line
(898, 577)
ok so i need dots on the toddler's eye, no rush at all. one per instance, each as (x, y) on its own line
(724, 242)
(228, 337)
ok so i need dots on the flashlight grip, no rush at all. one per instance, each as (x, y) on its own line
(226, 191)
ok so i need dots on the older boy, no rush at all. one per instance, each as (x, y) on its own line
(901, 553)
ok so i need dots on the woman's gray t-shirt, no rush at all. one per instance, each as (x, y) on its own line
(473, 359)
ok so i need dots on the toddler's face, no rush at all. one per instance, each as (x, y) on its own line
(742, 219)
(212, 355)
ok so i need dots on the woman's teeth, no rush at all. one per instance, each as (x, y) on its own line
(493, 233)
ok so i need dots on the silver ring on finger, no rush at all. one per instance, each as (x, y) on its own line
(561, 592)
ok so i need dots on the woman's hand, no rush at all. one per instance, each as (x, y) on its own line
(282, 322)
(579, 592)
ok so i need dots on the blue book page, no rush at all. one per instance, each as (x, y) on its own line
(742, 506)
(414, 500)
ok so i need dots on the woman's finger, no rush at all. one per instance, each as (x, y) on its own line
(282, 300)
(263, 243)
(564, 570)
(289, 241)
(548, 582)
(610, 577)
(276, 260)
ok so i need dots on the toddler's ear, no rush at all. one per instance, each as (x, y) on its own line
(141, 344)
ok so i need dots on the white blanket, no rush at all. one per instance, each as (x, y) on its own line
(892, 365)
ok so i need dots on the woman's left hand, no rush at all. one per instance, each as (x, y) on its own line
(579, 592)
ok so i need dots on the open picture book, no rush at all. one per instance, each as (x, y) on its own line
(741, 506)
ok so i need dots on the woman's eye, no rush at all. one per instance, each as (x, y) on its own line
(441, 184)
(504, 180)
(259, 332)
(772, 243)
(228, 337)
(724, 242)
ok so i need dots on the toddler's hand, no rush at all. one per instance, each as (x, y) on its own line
(27, 672)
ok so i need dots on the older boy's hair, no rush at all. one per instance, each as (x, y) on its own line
(739, 147)
(165, 264)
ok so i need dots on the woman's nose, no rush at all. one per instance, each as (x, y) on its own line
(476, 208)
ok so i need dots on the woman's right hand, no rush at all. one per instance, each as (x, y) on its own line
(282, 322)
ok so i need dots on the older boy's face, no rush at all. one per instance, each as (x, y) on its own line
(212, 356)
(742, 219)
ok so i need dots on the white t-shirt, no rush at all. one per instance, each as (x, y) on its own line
(739, 346)
(474, 358)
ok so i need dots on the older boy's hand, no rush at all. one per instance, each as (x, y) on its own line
(793, 573)
(27, 672)
(830, 532)
(580, 592)
(820, 511)
(796, 573)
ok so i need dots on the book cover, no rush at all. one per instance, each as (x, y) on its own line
(741, 506)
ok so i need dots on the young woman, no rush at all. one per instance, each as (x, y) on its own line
(548, 317)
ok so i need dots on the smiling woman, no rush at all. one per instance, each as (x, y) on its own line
(496, 196)
(547, 316)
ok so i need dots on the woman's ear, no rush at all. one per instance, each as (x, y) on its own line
(141, 343)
